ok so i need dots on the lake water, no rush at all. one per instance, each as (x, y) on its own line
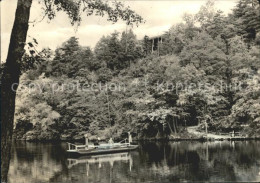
(152, 162)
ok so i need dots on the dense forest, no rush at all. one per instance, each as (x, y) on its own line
(207, 70)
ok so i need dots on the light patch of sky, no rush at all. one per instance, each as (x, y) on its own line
(159, 16)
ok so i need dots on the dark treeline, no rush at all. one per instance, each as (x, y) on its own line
(207, 71)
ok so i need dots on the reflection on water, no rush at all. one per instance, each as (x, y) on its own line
(152, 162)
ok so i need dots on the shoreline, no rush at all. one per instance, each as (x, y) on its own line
(192, 133)
(199, 139)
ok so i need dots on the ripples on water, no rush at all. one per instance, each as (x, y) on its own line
(152, 162)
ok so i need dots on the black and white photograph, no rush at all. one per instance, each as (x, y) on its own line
(130, 91)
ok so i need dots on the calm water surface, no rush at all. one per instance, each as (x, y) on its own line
(152, 162)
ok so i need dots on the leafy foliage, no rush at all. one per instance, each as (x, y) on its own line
(114, 10)
(207, 72)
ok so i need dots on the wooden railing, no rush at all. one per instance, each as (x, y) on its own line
(75, 147)
(235, 134)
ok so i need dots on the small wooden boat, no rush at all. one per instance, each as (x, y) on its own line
(105, 148)
(100, 149)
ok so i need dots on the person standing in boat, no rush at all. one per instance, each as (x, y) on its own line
(86, 141)
(111, 141)
(129, 138)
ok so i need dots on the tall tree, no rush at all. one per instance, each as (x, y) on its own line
(129, 44)
(206, 13)
(11, 72)
(10, 76)
(109, 50)
(247, 19)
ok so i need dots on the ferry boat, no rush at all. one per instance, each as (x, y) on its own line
(103, 148)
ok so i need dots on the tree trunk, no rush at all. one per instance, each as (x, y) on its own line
(176, 124)
(174, 127)
(10, 81)
(228, 74)
(170, 127)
